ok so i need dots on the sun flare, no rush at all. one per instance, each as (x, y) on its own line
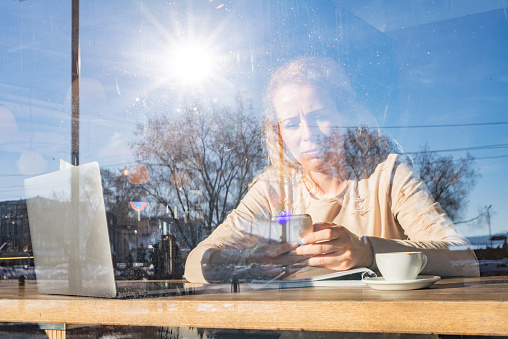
(192, 63)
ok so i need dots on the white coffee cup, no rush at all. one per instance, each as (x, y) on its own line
(400, 265)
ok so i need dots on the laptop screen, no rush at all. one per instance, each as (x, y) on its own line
(69, 232)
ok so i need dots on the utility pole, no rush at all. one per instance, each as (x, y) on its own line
(487, 208)
(75, 69)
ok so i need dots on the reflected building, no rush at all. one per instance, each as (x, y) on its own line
(14, 232)
(125, 236)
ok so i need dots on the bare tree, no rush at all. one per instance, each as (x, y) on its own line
(449, 180)
(364, 149)
(200, 163)
(118, 192)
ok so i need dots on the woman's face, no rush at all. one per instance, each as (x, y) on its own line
(308, 118)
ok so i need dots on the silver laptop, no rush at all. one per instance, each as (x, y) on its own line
(70, 240)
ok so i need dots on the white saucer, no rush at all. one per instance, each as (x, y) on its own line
(422, 281)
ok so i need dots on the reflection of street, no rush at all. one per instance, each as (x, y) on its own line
(167, 259)
(17, 272)
(493, 267)
(162, 260)
(9, 331)
(16, 265)
(492, 254)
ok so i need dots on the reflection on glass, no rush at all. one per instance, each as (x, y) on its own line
(160, 86)
(362, 196)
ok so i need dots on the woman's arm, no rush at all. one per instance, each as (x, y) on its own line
(427, 226)
(242, 244)
(409, 206)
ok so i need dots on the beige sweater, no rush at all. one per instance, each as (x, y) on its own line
(393, 207)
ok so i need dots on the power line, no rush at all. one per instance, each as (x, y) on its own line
(480, 158)
(462, 149)
(450, 125)
(493, 157)
(495, 123)
(466, 221)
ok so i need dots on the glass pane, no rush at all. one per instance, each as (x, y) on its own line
(175, 107)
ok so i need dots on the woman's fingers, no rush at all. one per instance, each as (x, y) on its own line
(324, 232)
(327, 238)
(283, 248)
(278, 254)
(338, 261)
(285, 259)
(318, 248)
(273, 251)
(335, 247)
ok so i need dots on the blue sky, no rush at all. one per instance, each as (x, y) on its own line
(410, 66)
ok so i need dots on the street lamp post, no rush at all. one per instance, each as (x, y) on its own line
(136, 233)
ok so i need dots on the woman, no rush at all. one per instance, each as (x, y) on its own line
(363, 197)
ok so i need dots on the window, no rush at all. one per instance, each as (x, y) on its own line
(168, 87)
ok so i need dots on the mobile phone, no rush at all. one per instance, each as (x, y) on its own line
(293, 227)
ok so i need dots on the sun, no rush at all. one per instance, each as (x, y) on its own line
(191, 63)
(184, 60)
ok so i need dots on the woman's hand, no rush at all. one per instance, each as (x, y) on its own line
(268, 252)
(270, 259)
(335, 247)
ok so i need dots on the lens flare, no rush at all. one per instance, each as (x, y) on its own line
(191, 63)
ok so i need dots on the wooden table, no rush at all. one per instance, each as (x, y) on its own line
(473, 306)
